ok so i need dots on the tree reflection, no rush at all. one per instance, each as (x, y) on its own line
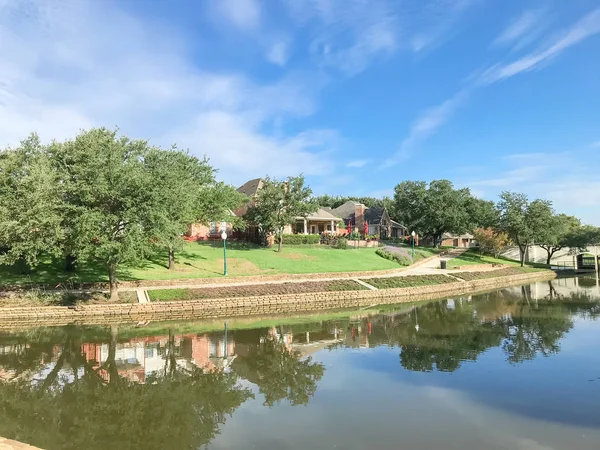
(74, 403)
(279, 372)
(522, 328)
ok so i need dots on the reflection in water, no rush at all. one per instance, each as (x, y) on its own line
(132, 388)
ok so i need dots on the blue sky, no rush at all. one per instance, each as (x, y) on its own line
(358, 95)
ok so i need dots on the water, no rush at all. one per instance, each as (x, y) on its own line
(513, 369)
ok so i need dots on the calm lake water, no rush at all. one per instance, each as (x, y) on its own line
(514, 369)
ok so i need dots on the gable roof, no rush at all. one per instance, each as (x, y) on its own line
(322, 214)
(251, 188)
(373, 215)
(345, 211)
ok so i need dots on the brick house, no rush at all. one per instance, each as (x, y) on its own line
(376, 219)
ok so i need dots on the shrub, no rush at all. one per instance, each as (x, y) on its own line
(301, 239)
(400, 259)
(341, 244)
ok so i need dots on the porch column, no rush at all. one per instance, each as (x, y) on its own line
(332, 226)
(305, 227)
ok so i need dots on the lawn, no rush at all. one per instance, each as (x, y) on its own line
(420, 252)
(473, 256)
(408, 281)
(205, 259)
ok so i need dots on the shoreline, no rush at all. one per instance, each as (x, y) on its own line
(28, 316)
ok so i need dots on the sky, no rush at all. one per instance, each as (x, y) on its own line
(358, 95)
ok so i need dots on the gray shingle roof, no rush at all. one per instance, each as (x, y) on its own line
(250, 188)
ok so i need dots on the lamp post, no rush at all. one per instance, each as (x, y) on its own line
(413, 234)
(224, 237)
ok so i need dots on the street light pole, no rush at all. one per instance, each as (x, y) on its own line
(224, 237)
(413, 246)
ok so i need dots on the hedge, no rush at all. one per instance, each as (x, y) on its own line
(301, 239)
(408, 281)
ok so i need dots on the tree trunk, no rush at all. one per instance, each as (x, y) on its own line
(112, 279)
(550, 254)
(171, 258)
(70, 263)
(522, 254)
(280, 244)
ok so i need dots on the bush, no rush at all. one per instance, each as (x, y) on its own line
(341, 244)
(301, 239)
(400, 259)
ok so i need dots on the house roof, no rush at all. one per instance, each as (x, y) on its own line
(459, 236)
(345, 211)
(373, 215)
(322, 214)
(251, 188)
(397, 224)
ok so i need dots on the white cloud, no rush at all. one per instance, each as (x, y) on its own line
(551, 176)
(244, 14)
(278, 53)
(64, 69)
(588, 26)
(348, 34)
(522, 28)
(357, 163)
(426, 125)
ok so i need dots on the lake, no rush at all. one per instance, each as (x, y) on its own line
(517, 368)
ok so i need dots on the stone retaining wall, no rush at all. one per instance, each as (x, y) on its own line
(264, 305)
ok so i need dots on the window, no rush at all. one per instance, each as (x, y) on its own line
(223, 226)
(328, 227)
(213, 228)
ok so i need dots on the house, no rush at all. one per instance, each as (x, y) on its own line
(320, 221)
(375, 219)
(453, 240)
(457, 240)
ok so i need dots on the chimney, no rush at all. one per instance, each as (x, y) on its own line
(359, 217)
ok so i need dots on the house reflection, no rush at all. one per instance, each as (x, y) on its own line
(139, 358)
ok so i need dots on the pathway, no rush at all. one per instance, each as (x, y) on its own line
(7, 444)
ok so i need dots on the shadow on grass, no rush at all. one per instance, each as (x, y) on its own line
(231, 245)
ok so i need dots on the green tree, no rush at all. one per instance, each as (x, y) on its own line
(483, 213)
(554, 236)
(280, 203)
(31, 204)
(185, 191)
(523, 221)
(112, 196)
(580, 238)
(491, 240)
(434, 209)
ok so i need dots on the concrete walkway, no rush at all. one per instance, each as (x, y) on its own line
(7, 444)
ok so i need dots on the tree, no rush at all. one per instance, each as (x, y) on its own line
(185, 191)
(523, 221)
(112, 196)
(31, 204)
(554, 236)
(580, 238)
(434, 209)
(280, 203)
(483, 213)
(491, 240)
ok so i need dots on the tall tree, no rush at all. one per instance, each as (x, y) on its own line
(280, 203)
(185, 191)
(434, 209)
(580, 238)
(523, 221)
(31, 204)
(553, 237)
(483, 213)
(112, 195)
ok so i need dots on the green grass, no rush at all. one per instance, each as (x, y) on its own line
(420, 252)
(203, 260)
(473, 256)
(408, 281)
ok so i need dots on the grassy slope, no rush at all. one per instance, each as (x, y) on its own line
(474, 257)
(200, 260)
